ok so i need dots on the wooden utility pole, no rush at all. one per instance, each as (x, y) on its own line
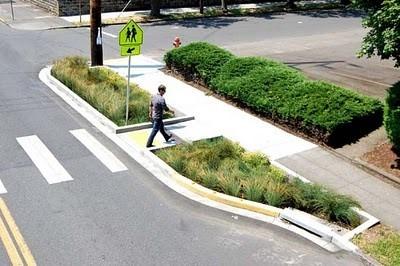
(201, 5)
(96, 38)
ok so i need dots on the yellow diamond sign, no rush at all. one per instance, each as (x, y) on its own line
(131, 34)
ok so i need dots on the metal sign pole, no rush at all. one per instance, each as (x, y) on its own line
(12, 9)
(127, 91)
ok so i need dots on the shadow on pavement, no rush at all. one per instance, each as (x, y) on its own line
(215, 22)
(337, 13)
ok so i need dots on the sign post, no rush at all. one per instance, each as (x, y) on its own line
(12, 9)
(130, 41)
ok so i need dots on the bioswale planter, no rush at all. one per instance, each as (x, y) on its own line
(304, 224)
(100, 117)
(186, 187)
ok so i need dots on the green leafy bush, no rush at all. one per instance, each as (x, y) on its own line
(198, 61)
(324, 111)
(250, 175)
(392, 115)
(103, 89)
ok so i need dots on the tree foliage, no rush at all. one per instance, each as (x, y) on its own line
(383, 22)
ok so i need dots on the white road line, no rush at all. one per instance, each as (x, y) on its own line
(98, 150)
(108, 34)
(3, 189)
(44, 160)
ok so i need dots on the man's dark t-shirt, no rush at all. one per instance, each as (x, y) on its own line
(158, 106)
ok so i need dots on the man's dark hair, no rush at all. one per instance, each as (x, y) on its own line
(162, 88)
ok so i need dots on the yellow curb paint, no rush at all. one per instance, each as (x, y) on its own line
(23, 247)
(9, 245)
(140, 137)
(226, 199)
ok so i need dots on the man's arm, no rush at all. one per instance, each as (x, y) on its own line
(151, 109)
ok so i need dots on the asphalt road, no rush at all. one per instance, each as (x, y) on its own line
(323, 44)
(105, 218)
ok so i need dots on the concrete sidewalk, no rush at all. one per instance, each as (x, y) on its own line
(29, 17)
(215, 117)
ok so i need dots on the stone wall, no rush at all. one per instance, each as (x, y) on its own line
(72, 7)
(50, 5)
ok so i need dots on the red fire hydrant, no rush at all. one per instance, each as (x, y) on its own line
(177, 42)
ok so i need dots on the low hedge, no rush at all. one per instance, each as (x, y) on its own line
(197, 61)
(392, 115)
(324, 111)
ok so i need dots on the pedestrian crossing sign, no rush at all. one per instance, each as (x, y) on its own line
(131, 35)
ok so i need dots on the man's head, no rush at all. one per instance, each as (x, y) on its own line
(161, 89)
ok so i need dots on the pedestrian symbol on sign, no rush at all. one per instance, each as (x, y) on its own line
(131, 34)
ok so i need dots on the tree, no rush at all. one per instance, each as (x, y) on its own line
(383, 39)
(382, 20)
(155, 8)
(224, 6)
(291, 4)
(201, 6)
(96, 42)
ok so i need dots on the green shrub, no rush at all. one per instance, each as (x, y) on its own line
(103, 89)
(197, 60)
(324, 111)
(242, 66)
(256, 160)
(392, 115)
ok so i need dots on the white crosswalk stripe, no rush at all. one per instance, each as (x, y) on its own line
(98, 150)
(3, 189)
(44, 160)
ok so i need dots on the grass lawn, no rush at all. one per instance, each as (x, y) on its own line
(382, 243)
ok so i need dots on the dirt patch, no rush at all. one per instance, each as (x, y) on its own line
(384, 157)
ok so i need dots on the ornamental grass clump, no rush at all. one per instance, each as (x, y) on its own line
(224, 166)
(103, 89)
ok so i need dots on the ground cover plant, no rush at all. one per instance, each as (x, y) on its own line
(224, 166)
(103, 89)
(382, 243)
(321, 110)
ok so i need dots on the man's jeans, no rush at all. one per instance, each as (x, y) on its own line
(158, 125)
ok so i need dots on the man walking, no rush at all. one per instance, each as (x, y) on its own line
(156, 110)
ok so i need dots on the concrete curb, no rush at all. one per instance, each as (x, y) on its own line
(366, 166)
(187, 187)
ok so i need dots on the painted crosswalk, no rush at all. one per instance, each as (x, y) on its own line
(98, 150)
(52, 169)
(44, 160)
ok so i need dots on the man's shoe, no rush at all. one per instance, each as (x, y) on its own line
(150, 146)
(170, 138)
